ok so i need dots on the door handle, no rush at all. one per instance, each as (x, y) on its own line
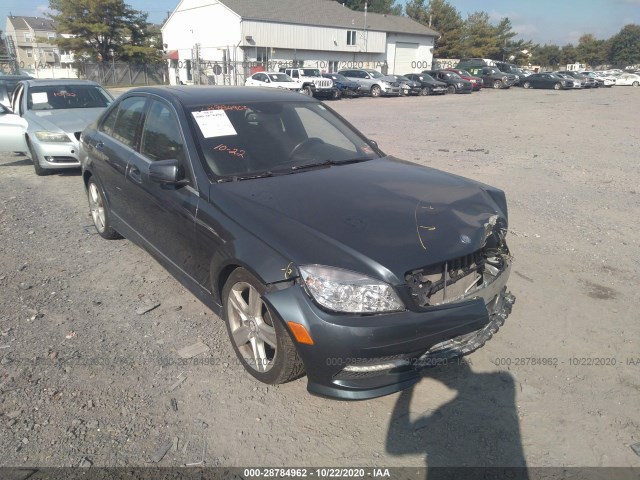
(134, 173)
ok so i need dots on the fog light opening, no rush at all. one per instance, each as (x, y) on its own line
(377, 367)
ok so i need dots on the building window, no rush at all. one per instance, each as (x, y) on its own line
(29, 53)
(333, 66)
(351, 37)
(27, 37)
(51, 36)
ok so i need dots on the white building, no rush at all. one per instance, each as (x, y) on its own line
(229, 39)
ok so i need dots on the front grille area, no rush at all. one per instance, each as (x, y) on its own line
(326, 83)
(463, 277)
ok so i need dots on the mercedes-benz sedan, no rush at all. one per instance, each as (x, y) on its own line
(321, 253)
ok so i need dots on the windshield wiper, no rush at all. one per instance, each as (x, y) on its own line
(326, 163)
(249, 176)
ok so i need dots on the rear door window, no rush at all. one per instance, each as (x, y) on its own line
(161, 137)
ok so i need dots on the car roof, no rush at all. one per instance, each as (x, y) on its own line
(195, 96)
(270, 73)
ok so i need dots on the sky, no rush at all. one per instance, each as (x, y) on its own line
(543, 21)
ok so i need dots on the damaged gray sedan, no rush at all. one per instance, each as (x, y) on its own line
(324, 255)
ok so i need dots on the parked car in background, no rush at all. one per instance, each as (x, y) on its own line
(346, 285)
(476, 82)
(576, 82)
(547, 80)
(609, 80)
(513, 70)
(57, 111)
(372, 82)
(407, 86)
(492, 77)
(12, 131)
(467, 63)
(599, 82)
(587, 82)
(7, 85)
(455, 84)
(428, 84)
(344, 87)
(631, 79)
(275, 80)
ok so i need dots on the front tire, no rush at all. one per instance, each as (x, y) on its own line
(259, 338)
(307, 91)
(451, 89)
(41, 172)
(526, 85)
(375, 91)
(497, 84)
(336, 95)
(99, 211)
(635, 84)
(557, 86)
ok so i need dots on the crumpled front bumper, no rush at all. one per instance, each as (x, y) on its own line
(356, 357)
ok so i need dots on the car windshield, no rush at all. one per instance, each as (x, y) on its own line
(311, 72)
(59, 97)
(375, 74)
(452, 75)
(465, 73)
(426, 77)
(402, 79)
(338, 77)
(264, 139)
(493, 70)
(280, 77)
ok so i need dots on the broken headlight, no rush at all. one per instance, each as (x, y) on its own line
(345, 291)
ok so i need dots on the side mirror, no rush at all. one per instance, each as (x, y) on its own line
(367, 77)
(373, 143)
(167, 172)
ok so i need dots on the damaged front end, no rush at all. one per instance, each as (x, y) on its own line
(480, 274)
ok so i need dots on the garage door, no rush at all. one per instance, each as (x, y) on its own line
(405, 56)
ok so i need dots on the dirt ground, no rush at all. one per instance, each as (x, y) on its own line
(87, 379)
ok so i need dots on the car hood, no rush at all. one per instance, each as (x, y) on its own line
(382, 217)
(67, 120)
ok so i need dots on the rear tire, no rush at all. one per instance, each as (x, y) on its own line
(99, 211)
(635, 84)
(256, 334)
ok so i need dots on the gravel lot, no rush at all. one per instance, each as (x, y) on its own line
(86, 378)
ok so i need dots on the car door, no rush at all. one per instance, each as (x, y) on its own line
(162, 215)
(113, 145)
(13, 130)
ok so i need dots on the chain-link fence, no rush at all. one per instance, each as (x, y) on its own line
(120, 73)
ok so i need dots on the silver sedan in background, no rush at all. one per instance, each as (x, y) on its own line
(56, 112)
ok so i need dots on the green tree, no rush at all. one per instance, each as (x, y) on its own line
(445, 19)
(625, 46)
(3, 45)
(546, 55)
(591, 51)
(102, 29)
(567, 54)
(479, 37)
(374, 6)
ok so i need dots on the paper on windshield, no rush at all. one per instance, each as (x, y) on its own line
(214, 123)
(39, 97)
